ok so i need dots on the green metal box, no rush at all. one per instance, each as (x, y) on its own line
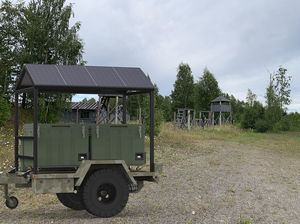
(61, 146)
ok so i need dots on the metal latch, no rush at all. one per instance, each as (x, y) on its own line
(140, 131)
(97, 131)
(83, 131)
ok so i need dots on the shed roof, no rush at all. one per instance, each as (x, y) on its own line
(84, 79)
(84, 106)
(220, 99)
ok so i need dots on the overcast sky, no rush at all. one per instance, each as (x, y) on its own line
(240, 42)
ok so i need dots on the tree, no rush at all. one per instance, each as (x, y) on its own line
(206, 89)
(251, 98)
(282, 87)
(166, 108)
(158, 114)
(182, 95)
(252, 114)
(133, 104)
(273, 111)
(9, 36)
(91, 100)
(237, 107)
(142, 101)
(4, 110)
(39, 32)
(277, 96)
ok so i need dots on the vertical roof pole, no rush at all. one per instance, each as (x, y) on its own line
(152, 131)
(117, 110)
(124, 109)
(35, 131)
(16, 130)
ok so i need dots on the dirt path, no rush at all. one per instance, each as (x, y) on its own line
(210, 182)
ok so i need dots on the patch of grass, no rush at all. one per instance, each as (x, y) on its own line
(246, 221)
(288, 141)
(248, 189)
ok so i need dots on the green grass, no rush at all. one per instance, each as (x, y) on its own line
(246, 221)
(288, 141)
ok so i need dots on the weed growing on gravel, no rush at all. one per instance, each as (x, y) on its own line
(248, 221)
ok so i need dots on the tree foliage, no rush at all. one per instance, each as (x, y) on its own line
(143, 101)
(182, 95)
(251, 115)
(282, 87)
(277, 96)
(237, 107)
(38, 32)
(251, 98)
(4, 110)
(167, 108)
(206, 89)
(91, 100)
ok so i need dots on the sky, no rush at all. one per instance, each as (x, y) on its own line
(240, 42)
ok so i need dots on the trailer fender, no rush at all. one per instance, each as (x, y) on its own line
(87, 165)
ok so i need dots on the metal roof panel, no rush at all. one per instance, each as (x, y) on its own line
(104, 76)
(75, 75)
(45, 75)
(84, 79)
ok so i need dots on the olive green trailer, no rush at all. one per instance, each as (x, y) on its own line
(64, 146)
(89, 166)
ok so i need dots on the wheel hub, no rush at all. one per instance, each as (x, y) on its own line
(106, 193)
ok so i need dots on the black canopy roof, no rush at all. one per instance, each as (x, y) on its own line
(84, 79)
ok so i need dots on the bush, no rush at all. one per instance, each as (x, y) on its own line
(4, 110)
(273, 115)
(294, 121)
(251, 115)
(282, 125)
(289, 122)
(262, 125)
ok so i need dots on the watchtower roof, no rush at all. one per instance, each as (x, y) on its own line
(220, 99)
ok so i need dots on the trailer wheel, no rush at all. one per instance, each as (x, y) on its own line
(71, 200)
(12, 202)
(105, 193)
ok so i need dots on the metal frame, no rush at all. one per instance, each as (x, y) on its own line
(36, 91)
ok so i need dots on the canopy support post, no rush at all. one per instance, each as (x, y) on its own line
(152, 131)
(35, 131)
(124, 110)
(16, 130)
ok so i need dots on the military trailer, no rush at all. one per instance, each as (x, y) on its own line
(89, 166)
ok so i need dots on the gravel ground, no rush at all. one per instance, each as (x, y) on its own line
(204, 182)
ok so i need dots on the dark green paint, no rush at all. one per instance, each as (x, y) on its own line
(59, 145)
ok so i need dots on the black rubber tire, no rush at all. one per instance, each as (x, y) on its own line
(105, 193)
(71, 200)
(12, 203)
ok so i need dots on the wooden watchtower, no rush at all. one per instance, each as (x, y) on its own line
(221, 111)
